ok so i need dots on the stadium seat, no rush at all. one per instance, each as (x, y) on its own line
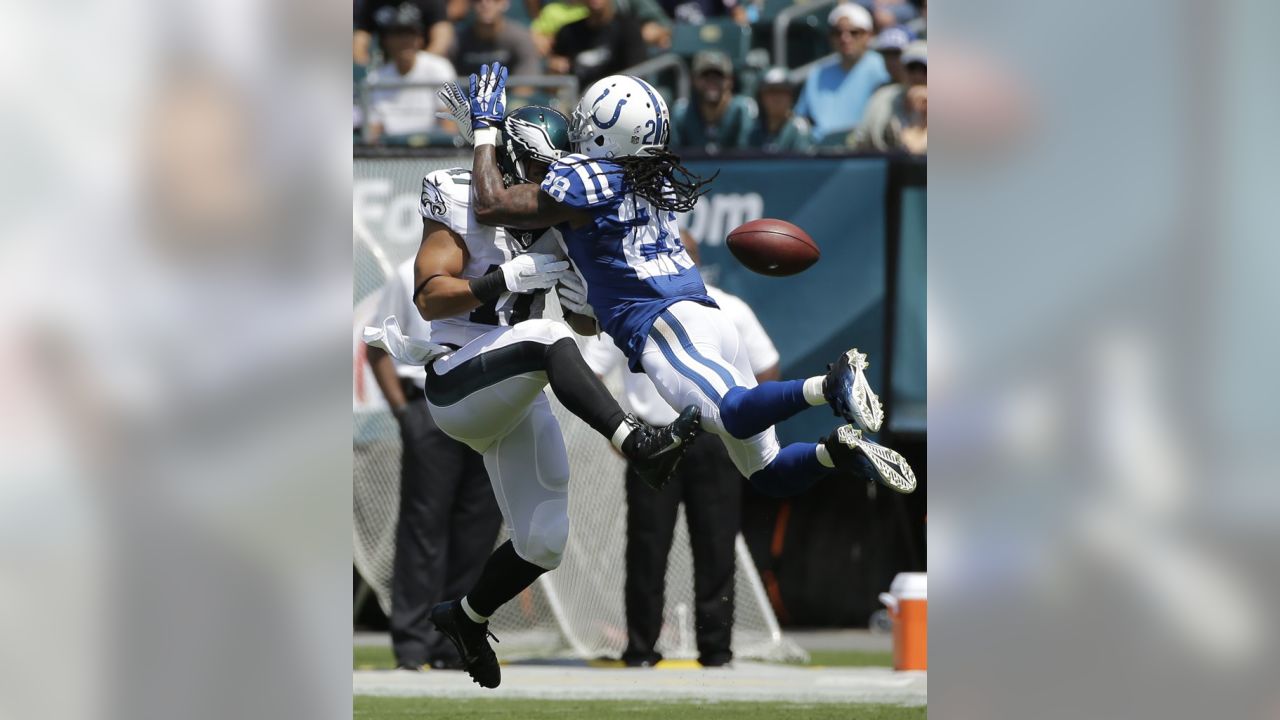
(716, 34)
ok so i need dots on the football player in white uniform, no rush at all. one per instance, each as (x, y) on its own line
(483, 289)
(615, 202)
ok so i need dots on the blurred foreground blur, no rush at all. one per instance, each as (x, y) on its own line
(1102, 508)
(175, 504)
(175, 498)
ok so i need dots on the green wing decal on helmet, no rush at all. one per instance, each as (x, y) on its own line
(533, 132)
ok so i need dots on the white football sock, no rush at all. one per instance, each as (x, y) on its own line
(476, 617)
(813, 391)
(620, 435)
(824, 457)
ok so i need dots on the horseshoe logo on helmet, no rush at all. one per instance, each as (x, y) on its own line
(605, 124)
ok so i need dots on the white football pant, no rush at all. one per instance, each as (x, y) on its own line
(490, 395)
(694, 355)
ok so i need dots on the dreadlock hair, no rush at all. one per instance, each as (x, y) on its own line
(660, 178)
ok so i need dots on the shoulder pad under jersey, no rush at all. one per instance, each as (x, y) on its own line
(582, 182)
(446, 197)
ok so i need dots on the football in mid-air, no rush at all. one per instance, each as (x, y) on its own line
(773, 247)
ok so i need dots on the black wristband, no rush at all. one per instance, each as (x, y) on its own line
(488, 288)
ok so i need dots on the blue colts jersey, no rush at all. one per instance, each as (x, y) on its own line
(630, 252)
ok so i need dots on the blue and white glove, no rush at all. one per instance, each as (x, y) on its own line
(488, 97)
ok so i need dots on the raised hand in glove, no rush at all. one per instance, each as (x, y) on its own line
(457, 107)
(488, 96)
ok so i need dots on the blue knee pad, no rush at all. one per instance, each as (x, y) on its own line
(745, 412)
(736, 422)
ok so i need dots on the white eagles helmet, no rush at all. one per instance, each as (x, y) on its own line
(619, 116)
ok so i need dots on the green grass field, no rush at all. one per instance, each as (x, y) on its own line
(392, 708)
(380, 658)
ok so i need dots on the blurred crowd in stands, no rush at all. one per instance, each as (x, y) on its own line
(849, 75)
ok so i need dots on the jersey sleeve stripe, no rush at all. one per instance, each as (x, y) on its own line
(588, 185)
(601, 179)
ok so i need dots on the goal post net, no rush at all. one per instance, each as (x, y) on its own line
(577, 610)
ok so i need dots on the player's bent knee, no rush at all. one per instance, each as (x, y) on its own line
(771, 482)
(545, 331)
(736, 423)
(548, 534)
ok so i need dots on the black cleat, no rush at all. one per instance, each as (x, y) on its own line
(856, 455)
(654, 452)
(850, 395)
(471, 640)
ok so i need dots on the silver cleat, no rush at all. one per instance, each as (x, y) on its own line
(891, 467)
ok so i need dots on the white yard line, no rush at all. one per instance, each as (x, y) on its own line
(746, 681)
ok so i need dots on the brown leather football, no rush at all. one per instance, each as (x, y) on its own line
(773, 247)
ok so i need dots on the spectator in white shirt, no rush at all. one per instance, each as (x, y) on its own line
(402, 113)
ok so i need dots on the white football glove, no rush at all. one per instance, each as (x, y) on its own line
(533, 271)
(572, 291)
(457, 108)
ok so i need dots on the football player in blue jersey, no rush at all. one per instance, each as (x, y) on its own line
(614, 201)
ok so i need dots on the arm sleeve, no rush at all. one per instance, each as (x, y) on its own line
(446, 199)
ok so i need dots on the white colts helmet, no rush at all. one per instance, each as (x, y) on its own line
(619, 116)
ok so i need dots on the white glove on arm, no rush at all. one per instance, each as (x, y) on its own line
(522, 274)
(572, 290)
(533, 271)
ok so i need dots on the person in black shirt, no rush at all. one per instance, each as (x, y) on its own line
(606, 42)
(492, 37)
(373, 13)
